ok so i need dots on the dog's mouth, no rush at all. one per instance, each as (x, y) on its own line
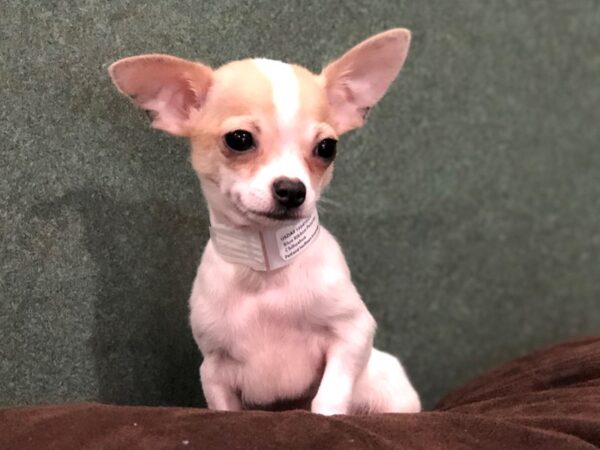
(267, 217)
(278, 215)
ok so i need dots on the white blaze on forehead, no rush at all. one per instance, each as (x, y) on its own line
(288, 162)
(286, 91)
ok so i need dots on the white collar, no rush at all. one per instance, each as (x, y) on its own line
(265, 249)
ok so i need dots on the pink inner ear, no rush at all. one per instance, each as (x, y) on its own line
(357, 81)
(168, 88)
(171, 101)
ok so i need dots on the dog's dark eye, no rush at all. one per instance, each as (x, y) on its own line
(326, 149)
(239, 140)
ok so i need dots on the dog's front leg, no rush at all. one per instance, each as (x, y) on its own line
(216, 378)
(347, 356)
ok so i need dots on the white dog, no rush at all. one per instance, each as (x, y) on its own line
(273, 307)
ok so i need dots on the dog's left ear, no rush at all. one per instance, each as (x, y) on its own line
(357, 81)
(170, 89)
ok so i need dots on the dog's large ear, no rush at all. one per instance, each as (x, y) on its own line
(357, 81)
(170, 89)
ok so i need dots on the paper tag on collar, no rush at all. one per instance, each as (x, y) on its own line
(293, 239)
(265, 249)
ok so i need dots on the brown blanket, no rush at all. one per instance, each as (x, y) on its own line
(547, 400)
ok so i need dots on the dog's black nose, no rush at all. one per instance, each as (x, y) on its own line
(289, 193)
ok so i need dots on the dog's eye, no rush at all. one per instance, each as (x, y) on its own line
(239, 140)
(326, 149)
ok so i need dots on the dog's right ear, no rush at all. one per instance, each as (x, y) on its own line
(170, 89)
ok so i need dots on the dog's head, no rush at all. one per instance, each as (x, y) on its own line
(263, 132)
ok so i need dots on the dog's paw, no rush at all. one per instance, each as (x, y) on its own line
(408, 403)
(328, 408)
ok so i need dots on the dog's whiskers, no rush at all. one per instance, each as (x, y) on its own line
(325, 203)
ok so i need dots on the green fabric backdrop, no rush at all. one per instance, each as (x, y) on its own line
(469, 206)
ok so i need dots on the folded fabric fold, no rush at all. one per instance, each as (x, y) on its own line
(545, 400)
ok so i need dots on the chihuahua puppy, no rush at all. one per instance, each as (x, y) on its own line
(273, 307)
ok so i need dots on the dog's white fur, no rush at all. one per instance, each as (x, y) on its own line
(269, 336)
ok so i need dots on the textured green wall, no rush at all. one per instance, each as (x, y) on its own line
(469, 206)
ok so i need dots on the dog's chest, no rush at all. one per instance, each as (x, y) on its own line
(277, 350)
(273, 329)
(280, 355)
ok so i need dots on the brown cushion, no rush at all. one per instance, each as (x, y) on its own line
(548, 399)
